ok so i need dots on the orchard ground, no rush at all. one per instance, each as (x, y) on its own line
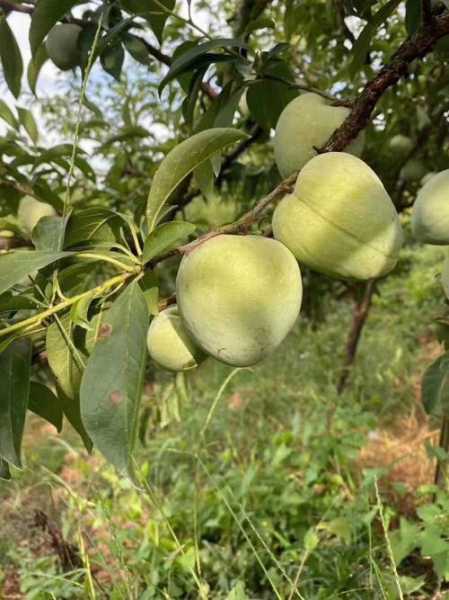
(271, 494)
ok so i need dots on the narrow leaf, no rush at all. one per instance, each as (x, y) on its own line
(15, 364)
(166, 237)
(14, 266)
(7, 115)
(181, 161)
(27, 120)
(10, 57)
(35, 66)
(45, 404)
(62, 357)
(112, 384)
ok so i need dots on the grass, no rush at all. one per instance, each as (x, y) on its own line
(252, 482)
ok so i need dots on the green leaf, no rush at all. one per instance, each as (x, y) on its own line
(404, 540)
(261, 23)
(46, 14)
(413, 15)
(111, 388)
(112, 60)
(45, 404)
(4, 470)
(363, 42)
(150, 287)
(63, 358)
(199, 57)
(7, 115)
(152, 11)
(266, 100)
(27, 120)
(10, 57)
(166, 237)
(91, 224)
(16, 265)
(181, 161)
(35, 66)
(136, 47)
(15, 364)
(435, 387)
(72, 412)
(48, 233)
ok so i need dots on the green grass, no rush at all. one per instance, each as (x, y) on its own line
(260, 498)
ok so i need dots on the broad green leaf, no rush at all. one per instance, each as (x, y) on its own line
(204, 178)
(45, 404)
(166, 237)
(112, 384)
(35, 66)
(192, 58)
(404, 540)
(48, 234)
(181, 161)
(7, 115)
(112, 59)
(11, 58)
(16, 265)
(63, 356)
(150, 287)
(12, 302)
(27, 120)
(46, 14)
(91, 224)
(266, 100)
(15, 364)
(435, 387)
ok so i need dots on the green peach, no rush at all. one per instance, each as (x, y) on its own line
(401, 144)
(307, 123)
(339, 219)
(31, 211)
(239, 296)
(62, 45)
(169, 343)
(430, 216)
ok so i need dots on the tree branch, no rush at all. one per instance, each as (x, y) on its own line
(417, 46)
(12, 6)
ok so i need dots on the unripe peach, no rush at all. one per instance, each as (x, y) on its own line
(430, 217)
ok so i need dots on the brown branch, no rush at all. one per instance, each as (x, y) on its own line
(361, 311)
(417, 46)
(13, 7)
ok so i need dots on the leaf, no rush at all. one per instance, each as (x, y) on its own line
(4, 470)
(266, 100)
(10, 57)
(136, 47)
(112, 60)
(112, 384)
(91, 224)
(194, 58)
(181, 161)
(35, 66)
(46, 14)
(362, 44)
(261, 23)
(204, 178)
(152, 11)
(45, 404)
(413, 15)
(48, 233)
(16, 265)
(27, 120)
(435, 387)
(7, 115)
(61, 356)
(15, 364)
(150, 287)
(166, 237)
(72, 412)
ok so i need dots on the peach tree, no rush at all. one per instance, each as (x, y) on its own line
(85, 312)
